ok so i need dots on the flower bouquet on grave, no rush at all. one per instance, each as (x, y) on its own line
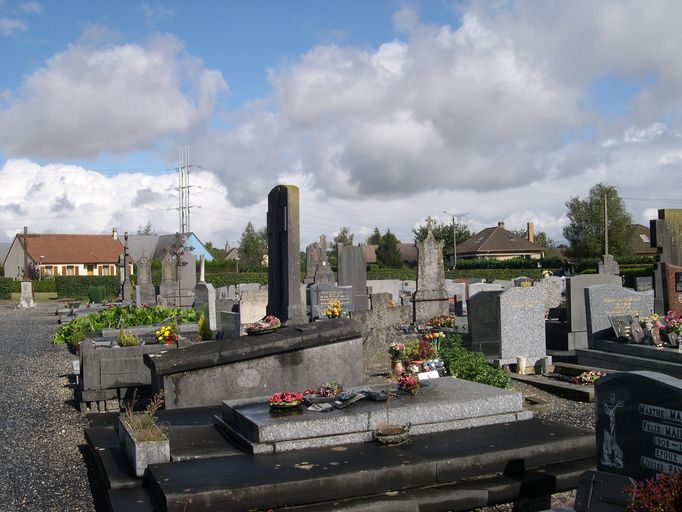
(408, 384)
(285, 400)
(167, 334)
(670, 326)
(269, 323)
(326, 392)
(588, 378)
(335, 310)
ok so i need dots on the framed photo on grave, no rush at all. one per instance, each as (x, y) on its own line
(678, 282)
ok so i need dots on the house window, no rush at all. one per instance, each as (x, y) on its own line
(46, 271)
(644, 238)
(70, 270)
(104, 270)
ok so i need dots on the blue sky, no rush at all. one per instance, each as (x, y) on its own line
(383, 112)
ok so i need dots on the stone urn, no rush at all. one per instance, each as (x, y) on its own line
(397, 368)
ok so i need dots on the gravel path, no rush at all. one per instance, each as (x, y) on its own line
(42, 465)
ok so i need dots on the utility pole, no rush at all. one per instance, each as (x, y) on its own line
(454, 235)
(606, 224)
(26, 277)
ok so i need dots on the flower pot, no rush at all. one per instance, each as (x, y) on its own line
(397, 368)
(140, 455)
(392, 435)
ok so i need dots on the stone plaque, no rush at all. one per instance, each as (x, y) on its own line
(678, 281)
(672, 287)
(621, 325)
(639, 424)
(644, 283)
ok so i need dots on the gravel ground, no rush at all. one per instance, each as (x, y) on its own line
(44, 463)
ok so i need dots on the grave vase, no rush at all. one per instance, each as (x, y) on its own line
(673, 339)
(397, 368)
(141, 454)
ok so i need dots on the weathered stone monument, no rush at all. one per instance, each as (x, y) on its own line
(352, 271)
(205, 298)
(550, 290)
(145, 292)
(284, 272)
(322, 295)
(26, 300)
(431, 298)
(666, 236)
(168, 286)
(318, 269)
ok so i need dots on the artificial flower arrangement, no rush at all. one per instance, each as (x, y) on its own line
(334, 309)
(326, 390)
(166, 334)
(435, 339)
(525, 284)
(408, 384)
(441, 321)
(588, 377)
(266, 324)
(396, 351)
(285, 399)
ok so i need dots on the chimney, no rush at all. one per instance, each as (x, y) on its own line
(531, 235)
(500, 224)
(114, 234)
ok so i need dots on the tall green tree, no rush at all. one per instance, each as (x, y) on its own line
(344, 237)
(252, 248)
(585, 232)
(374, 238)
(442, 231)
(218, 254)
(388, 253)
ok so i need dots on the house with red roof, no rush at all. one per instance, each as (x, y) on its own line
(64, 255)
(496, 242)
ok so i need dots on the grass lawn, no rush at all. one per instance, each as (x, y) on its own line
(38, 296)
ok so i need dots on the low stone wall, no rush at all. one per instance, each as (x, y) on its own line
(292, 358)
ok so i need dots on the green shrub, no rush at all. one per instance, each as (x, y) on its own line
(472, 366)
(126, 339)
(97, 293)
(204, 329)
(230, 278)
(5, 288)
(630, 273)
(76, 287)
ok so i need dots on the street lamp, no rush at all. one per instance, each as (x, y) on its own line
(454, 235)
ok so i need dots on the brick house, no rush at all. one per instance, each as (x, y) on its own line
(65, 255)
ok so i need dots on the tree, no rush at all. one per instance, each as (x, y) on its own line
(345, 237)
(442, 231)
(146, 229)
(585, 233)
(388, 253)
(218, 254)
(374, 238)
(252, 247)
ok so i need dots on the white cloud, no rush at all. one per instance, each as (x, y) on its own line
(87, 100)
(31, 7)
(10, 26)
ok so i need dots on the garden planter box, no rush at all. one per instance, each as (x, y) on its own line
(106, 369)
(141, 454)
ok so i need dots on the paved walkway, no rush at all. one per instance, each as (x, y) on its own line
(42, 465)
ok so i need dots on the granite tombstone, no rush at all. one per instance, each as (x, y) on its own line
(352, 271)
(639, 424)
(604, 301)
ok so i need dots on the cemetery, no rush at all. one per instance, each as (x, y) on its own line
(332, 391)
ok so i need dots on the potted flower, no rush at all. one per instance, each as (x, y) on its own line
(167, 334)
(143, 441)
(396, 352)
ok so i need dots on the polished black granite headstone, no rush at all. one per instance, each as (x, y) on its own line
(639, 424)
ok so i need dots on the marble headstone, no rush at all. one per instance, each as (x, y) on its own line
(145, 293)
(321, 295)
(672, 287)
(550, 290)
(26, 300)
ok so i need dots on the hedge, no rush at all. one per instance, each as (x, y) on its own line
(490, 273)
(631, 273)
(5, 288)
(76, 287)
(219, 279)
(512, 263)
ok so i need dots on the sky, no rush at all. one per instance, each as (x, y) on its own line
(383, 113)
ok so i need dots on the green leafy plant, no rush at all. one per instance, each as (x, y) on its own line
(119, 317)
(205, 332)
(472, 366)
(127, 339)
